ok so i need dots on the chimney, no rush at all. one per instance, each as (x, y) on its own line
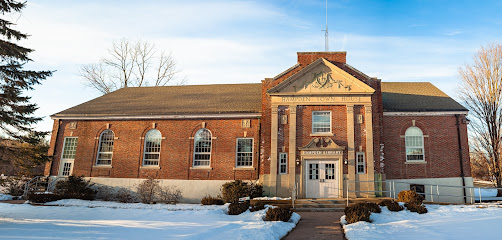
(305, 58)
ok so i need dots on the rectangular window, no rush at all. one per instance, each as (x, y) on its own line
(321, 122)
(283, 163)
(244, 152)
(414, 148)
(361, 163)
(69, 148)
(66, 169)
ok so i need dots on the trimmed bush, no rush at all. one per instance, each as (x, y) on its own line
(361, 212)
(209, 200)
(257, 206)
(278, 214)
(237, 208)
(76, 188)
(418, 208)
(43, 197)
(232, 191)
(391, 205)
(408, 196)
(373, 207)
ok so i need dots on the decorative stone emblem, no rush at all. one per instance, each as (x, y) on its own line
(325, 80)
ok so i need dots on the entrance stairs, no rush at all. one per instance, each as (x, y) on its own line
(320, 205)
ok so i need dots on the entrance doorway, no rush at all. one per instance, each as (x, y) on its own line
(322, 180)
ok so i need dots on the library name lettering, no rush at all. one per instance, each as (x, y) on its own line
(320, 99)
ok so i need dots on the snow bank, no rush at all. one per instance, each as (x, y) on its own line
(485, 192)
(441, 222)
(271, 198)
(168, 207)
(5, 197)
(87, 221)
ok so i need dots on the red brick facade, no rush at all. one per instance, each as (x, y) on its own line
(176, 149)
(440, 129)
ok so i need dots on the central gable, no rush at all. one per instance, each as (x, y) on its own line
(321, 77)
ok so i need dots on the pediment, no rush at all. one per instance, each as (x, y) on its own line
(321, 77)
(322, 143)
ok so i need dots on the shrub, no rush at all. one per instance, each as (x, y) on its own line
(361, 212)
(255, 190)
(232, 191)
(43, 197)
(407, 196)
(237, 208)
(147, 190)
(13, 186)
(169, 194)
(105, 193)
(278, 214)
(75, 187)
(209, 200)
(125, 196)
(418, 208)
(373, 207)
(391, 205)
(257, 206)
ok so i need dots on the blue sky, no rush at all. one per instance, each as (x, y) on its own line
(247, 41)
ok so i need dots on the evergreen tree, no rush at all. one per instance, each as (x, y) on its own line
(16, 111)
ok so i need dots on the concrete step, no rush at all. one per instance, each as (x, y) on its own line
(318, 209)
(319, 205)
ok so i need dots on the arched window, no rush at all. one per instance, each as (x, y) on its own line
(105, 148)
(151, 154)
(202, 148)
(414, 139)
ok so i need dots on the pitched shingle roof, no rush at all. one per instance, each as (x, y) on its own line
(416, 97)
(240, 98)
(172, 100)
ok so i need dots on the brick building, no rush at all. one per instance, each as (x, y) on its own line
(321, 126)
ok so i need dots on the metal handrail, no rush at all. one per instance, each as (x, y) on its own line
(392, 190)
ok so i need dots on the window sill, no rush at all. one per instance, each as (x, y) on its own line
(149, 167)
(322, 134)
(201, 168)
(244, 168)
(102, 166)
(415, 162)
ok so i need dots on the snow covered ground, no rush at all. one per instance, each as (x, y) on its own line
(77, 219)
(441, 222)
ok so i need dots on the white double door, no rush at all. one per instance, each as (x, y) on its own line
(322, 180)
(65, 167)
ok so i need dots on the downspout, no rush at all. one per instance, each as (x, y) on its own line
(259, 150)
(460, 156)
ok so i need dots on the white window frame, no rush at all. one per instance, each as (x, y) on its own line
(195, 153)
(285, 163)
(99, 148)
(64, 145)
(414, 147)
(69, 160)
(145, 149)
(330, 122)
(237, 153)
(363, 164)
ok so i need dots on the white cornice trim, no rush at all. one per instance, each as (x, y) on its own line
(425, 113)
(200, 116)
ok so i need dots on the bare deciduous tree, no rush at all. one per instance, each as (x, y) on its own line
(131, 65)
(481, 91)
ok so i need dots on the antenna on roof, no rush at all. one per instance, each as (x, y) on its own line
(326, 35)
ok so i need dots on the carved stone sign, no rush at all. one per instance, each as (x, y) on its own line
(322, 152)
(320, 99)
